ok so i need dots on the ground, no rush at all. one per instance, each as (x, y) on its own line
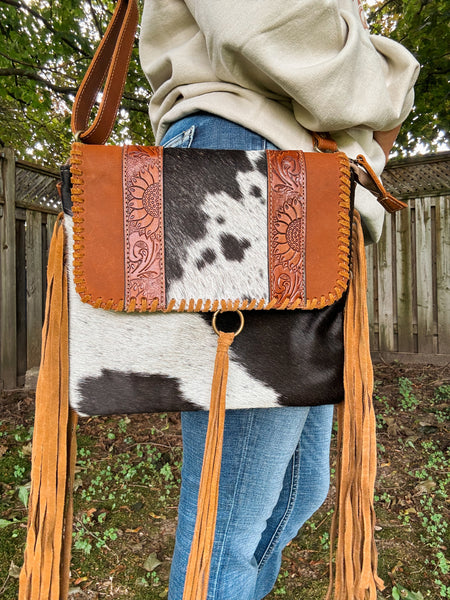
(127, 485)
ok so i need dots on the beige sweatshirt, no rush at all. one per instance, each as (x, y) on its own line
(279, 68)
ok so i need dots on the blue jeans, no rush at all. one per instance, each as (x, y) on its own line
(275, 463)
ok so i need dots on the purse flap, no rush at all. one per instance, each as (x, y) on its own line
(201, 230)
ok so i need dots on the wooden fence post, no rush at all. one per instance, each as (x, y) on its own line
(8, 343)
(33, 246)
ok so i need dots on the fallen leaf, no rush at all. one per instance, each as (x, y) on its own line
(26, 450)
(6, 523)
(392, 427)
(425, 487)
(14, 571)
(74, 590)
(151, 562)
(157, 516)
(23, 493)
(3, 450)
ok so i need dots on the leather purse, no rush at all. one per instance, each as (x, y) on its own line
(265, 251)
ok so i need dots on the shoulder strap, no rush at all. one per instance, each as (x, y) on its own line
(110, 63)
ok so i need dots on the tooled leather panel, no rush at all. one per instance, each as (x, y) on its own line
(96, 185)
(328, 227)
(286, 225)
(143, 226)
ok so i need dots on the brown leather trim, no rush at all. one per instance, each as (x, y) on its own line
(323, 142)
(367, 177)
(98, 224)
(309, 255)
(143, 225)
(286, 225)
(328, 227)
(110, 62)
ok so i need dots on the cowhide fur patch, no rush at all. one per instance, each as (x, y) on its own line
(215, 222)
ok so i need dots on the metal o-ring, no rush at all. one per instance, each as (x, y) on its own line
(240, 328)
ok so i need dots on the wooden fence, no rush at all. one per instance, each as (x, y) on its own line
(408, 270)
(29, 204)
(409, 289)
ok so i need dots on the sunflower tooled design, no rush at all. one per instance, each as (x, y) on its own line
(288, 240)
(144, 205)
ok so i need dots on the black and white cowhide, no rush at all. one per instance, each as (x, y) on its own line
(215, 223)
(149, 362)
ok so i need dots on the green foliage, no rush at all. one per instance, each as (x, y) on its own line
(401, 593)
(47, 46)
(422, 27)
(408, 401)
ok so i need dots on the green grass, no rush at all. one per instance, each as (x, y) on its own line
(127, 486)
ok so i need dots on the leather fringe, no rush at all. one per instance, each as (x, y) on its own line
(197, 574)
(45, 572)
(354, 517)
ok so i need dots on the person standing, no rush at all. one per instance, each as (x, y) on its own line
(253, 75)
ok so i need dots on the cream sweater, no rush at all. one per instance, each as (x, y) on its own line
(279, 68)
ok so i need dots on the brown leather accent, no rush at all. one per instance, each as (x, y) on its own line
(199, 562)
(143, 225)
(110, 61)
(323, 142)
(286, 225)
(45, 571)
(98, 223)
(328, 199)
(367, 177)
(354, 516)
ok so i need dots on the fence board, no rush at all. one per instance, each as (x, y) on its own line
(8, 339)
(385, 287)
(404, 282)
(371, 296)
(443, 274)
(33, 248)
(424, 270)
(21, 296)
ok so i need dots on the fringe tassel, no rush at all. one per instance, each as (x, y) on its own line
(354, 516)
(45, 572)
(197, 574)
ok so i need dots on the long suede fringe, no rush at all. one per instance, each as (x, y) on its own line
(354, 517)
(45, 572)
(197, 574)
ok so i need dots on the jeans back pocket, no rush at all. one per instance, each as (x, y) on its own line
(181, 140)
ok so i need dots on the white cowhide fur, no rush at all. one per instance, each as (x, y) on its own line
(231, 260)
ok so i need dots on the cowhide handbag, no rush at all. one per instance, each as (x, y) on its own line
(263, 249)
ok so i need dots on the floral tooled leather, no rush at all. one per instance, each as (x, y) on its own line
(143, 220)
(287, 225)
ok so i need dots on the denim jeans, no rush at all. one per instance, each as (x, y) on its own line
(275, 463)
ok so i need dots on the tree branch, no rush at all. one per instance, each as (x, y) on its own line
(15, 61)
(12, 72)
(95, 19)
(131, 102)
